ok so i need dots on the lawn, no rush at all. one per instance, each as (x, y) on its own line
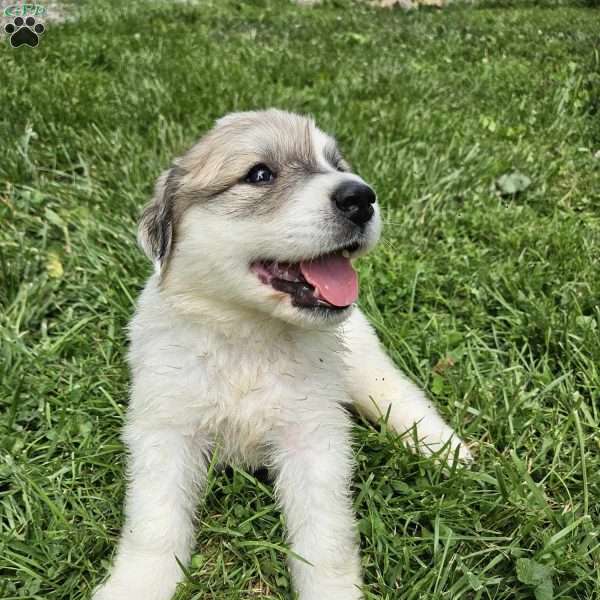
(487, 296)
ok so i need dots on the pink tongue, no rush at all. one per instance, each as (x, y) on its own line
(333, 278)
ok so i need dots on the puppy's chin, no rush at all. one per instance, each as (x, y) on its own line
(251, 297)
(310, 318)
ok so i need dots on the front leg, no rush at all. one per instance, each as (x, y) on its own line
(313, 466)
(376, 386)
(165, 468)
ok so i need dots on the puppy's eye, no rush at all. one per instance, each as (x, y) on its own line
(341, 165)
(259, 174)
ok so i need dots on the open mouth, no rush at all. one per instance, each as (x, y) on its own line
(326, 282)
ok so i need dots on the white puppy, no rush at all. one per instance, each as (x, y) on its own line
(246, 346)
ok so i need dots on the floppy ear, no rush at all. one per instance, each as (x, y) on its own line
(155, 231)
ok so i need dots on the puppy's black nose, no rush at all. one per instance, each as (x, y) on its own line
(355, 200)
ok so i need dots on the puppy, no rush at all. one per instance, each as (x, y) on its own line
(246, 346)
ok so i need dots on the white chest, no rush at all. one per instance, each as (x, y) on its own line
(236, 389)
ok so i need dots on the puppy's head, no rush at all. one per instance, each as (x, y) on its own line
(263, 213)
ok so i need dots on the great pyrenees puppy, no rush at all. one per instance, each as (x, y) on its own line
(247, 346)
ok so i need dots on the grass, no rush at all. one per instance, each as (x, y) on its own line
(490, 301)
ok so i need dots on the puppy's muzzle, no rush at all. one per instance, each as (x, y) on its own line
(355, 201)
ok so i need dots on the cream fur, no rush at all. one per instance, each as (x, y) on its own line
(223, 366)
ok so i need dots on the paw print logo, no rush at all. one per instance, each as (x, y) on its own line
(24, 31)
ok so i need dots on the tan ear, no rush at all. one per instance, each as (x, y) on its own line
(155, 231)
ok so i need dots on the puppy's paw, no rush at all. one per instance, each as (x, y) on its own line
(450, 449)
(459, 450)
(442, 443)
(147, 589)
(112, 590)
(140, 575)
(107, 592)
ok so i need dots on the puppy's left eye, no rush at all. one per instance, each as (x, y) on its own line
(259, 174)
(340, 164)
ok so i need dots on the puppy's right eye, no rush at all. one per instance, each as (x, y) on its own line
(259, 174)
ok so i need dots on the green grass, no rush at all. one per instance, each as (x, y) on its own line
(432, 108)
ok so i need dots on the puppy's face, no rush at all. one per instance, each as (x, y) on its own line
(262, 213)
